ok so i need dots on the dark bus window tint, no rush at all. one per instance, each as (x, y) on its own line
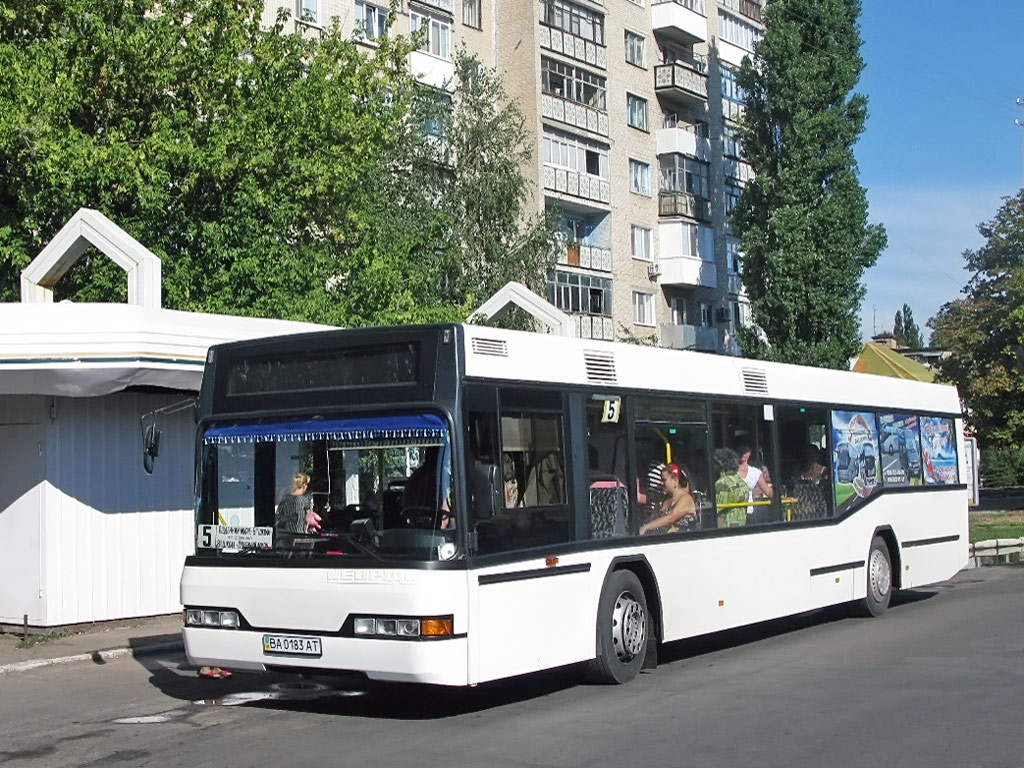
(901, 449)
(743, 449)
(520, 496)
(607, 467)
(671, 433)
(855, 455)
(805, 467)
(938, 451)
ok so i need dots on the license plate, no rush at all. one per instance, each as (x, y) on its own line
(292, 645)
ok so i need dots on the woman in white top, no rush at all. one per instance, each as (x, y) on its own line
(759, 486)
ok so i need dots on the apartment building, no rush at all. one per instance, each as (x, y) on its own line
(633, 104)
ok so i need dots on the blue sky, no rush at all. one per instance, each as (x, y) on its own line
(940, 149)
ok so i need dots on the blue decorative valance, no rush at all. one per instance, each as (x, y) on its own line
(421, 427)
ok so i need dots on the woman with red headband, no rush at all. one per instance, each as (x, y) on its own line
(678, 508)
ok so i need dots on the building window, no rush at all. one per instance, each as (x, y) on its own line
(738, 32)
(706, 318)
(635, 49)
(309, 11)
(643, 308)
(471, 13)
(678, 305)
(573, 83)
(574, 153)
(636, 111)
(639, 177)
(574, 19)
(680, 173)
(641, 239)
(438, 33)
(582, 294)
(371, 21)
(732, 256)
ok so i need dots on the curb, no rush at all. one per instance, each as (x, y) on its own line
(104, 655)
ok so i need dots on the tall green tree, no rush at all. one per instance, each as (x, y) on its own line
(906, 331)
(452, 224)
(238, 156)
(984, 332)
(803, 219)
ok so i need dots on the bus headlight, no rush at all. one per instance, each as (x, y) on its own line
(211, 617)
(405, 627)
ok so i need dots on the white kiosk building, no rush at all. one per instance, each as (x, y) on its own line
(86, 534)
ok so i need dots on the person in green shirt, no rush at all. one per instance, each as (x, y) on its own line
(730, 489)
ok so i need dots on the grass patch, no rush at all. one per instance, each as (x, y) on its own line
(996, 525)
(45, 637)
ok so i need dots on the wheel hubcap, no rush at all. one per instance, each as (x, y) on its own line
(629, 627)
(880, 575)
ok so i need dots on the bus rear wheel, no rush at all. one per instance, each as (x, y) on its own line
(879, 577)
(622, 630)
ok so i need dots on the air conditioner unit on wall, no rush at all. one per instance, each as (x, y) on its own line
(653, 270)
(722, 315)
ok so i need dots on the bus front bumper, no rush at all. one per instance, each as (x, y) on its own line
(435, 661)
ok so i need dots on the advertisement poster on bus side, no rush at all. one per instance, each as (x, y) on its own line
(901, 449)
(854, 457)
(938, 447)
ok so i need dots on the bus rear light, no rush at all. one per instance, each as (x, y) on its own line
(401, 626)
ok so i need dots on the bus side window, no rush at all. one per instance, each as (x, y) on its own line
(805, 487)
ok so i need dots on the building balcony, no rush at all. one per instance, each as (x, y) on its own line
(683, 140)
(746, 8)
(683, 20)
(430, 70)
(574, 47)
(594, 327)
(681, 83)
(688, 271)
(588, 192)
(586, 257)
(672, 203)
(573, 113)
(695, 337)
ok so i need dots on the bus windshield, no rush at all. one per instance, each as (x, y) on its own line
(368, 486)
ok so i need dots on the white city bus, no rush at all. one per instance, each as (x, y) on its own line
(480, 494)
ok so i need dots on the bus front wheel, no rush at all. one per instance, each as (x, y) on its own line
(879, 577)
(622, 627)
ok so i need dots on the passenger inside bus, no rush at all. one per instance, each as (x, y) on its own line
(677, 510)
(813, 487)
(731, 492)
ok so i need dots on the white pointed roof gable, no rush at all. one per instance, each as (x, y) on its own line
(517, 294)
(88, 227)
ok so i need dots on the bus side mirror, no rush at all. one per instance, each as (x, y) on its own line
(487, 493)
(150, 447)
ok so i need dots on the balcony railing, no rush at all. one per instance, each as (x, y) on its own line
(697, 337)
(748, 8)
(681, 78)
(573, 46)
(579, 185)
(586, 256)
(697, 6)
(691, 271)
(575, 114)
(673, 203)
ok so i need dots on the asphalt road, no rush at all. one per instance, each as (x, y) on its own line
(938, 681)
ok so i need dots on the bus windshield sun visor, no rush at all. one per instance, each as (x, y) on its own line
(421, 427)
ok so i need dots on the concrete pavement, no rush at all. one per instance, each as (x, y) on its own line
(108, 640)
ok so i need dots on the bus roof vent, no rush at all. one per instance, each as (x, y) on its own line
(493, 347)
(755, 381)
(600, 367)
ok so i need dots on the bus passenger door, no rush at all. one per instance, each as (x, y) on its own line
(523, 614)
